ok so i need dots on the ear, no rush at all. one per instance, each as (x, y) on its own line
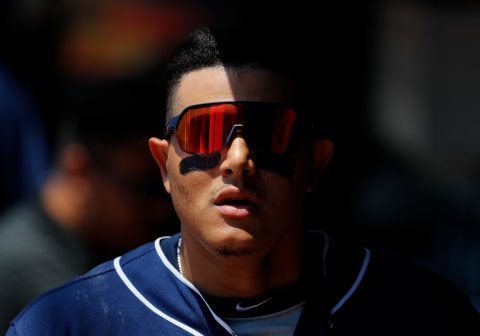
(322, 153)
(159, 151)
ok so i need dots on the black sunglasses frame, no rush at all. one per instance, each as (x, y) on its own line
(172, 124)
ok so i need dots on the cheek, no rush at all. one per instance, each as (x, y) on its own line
(182, 196)
(289, 192)
(186, 189)
(290, 188)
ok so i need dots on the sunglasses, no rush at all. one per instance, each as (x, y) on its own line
(207, 128)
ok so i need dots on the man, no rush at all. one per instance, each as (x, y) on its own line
(239, 156)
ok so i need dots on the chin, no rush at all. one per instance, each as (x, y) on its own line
(234, 251)
(237, 244)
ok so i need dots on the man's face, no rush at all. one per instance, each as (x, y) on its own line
(235, 201)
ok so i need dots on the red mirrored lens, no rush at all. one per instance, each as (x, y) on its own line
(204, 129)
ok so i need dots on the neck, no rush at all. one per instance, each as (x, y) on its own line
(240, 275)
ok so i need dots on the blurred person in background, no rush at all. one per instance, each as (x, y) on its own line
(104, 196)
(24, 150)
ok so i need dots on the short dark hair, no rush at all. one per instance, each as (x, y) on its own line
(276, 47)
(235, 47)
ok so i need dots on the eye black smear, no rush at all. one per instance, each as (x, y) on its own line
(199, 163)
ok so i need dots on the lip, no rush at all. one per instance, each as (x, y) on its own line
(236, 203)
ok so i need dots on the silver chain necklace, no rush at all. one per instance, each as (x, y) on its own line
(179, 256)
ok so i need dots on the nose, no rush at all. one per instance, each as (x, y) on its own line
(238, 161)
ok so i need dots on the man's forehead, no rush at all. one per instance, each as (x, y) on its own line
(215, 84)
